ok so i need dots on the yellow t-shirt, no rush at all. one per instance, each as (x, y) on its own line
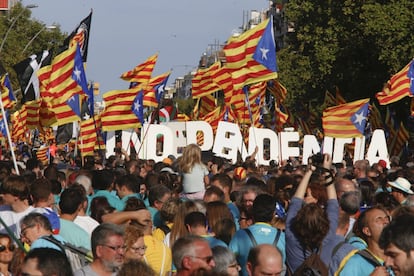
(157, 255)
(159, 234)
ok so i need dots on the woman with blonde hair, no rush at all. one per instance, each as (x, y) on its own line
(178, 228)
(134, 242)
(194, 172)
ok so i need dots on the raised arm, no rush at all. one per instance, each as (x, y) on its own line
(330, 187)
(122, 217)
(301, 190)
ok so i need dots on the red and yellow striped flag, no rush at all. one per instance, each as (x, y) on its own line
(150, 89)
(398, 87)
(329, 99)
(278, 90)
(7, 95)
(142, 72)
(339, 98)
(346, 120)
(88, 136)
(42, 155)
(222, 77)
(217, 115)
(203, 82)
(399, 140)
(60, 86)
(118, 114)
(32, 109)
(206, 105)
(375, 118)
(18, 120)
(280, 118)
(251, 57)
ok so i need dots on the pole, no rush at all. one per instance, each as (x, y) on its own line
(6, 125)
(36, 35)
(14, 22)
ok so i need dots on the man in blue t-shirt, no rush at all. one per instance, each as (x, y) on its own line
(261, 231)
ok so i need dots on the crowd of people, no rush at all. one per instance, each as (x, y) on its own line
(198, 214)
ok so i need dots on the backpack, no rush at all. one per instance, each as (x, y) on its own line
(164, 228)
(77, 256)
(312, 266)
(368, 256)
(253, 240)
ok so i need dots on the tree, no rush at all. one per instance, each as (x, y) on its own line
(23, 30)
(353, 45)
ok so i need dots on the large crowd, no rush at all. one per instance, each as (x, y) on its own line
(199, 214)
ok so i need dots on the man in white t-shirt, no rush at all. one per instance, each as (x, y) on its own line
(15, 193)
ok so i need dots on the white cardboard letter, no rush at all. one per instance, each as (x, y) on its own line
(229, 141)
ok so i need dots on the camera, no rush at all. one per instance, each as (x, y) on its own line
(316, 159)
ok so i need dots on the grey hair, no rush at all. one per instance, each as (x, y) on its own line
(84, 181)
(223, 257)
(101, 233)
(184, 246)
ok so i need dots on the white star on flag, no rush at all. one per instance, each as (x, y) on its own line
(71, 99)
(161, 89)
(264, 53)
(77, 73)
(359, 118)
(137, 106)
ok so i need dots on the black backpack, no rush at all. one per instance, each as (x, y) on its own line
(312, 266)
(164, 228)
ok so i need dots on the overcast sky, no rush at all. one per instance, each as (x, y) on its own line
(126, 32)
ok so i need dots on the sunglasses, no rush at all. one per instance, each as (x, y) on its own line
(11, 247)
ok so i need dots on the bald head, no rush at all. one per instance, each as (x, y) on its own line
(344, 185)
(264, 259)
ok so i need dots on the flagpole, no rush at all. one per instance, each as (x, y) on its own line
(6, 125)
(146, 131)
(247, 101)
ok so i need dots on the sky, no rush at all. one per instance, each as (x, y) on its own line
(125, 33)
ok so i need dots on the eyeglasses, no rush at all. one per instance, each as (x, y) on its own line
(139, 249)
(115, 248)
(207, 259)
(24, 230)
(11, 247)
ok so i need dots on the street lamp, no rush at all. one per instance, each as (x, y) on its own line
(31, 6)
(37, 34)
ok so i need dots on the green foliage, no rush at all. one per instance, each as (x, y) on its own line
(185, 106)
(354, 45)
(21, 29)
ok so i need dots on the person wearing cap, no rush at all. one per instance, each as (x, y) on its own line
(401, 190)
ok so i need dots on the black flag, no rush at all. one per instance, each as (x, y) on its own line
(81, 36)
(26, 71)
